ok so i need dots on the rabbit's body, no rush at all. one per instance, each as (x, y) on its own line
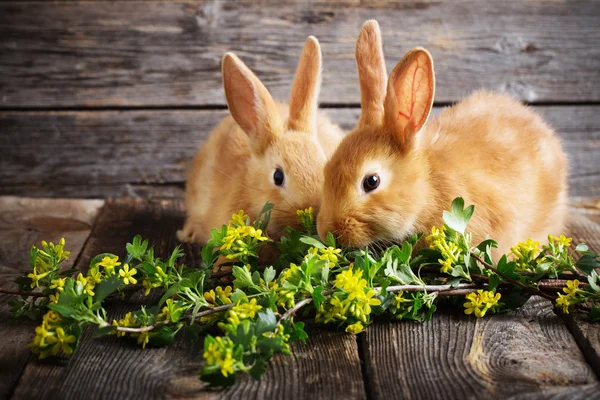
(264, 151)
(221, 179)
(500, 156)
(394, 175)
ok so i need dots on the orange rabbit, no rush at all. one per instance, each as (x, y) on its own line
(393, 175)
(263, 152)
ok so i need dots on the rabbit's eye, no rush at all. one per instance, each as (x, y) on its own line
(371, 182)
(278, 177)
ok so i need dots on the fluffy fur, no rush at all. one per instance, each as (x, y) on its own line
(489, 148)
(234, 168)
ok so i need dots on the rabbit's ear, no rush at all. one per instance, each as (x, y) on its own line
(305, 89)
(250, 104)
(371, 73)
(409, 98)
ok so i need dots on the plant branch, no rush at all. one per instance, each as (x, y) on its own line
(513, 281)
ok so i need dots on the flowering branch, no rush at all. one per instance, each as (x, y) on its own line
(513, 281)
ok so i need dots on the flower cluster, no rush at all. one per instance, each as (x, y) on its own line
(352, 299)
(51, 337)
(219, 354)
(241, 239)
(240, 312)
(219, 296)
(481, 302)
(526, 253)
(448, 248)
(307, 219)
(565, 301)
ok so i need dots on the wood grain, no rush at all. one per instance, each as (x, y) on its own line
(24, 222)
(111, 368)
(146, 153)
(583, 229)
(168, 53)
(528, 351)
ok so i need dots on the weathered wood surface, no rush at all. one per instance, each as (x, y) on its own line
(168, 53)
(527, 353)
(24, 222)
(585, 227)
(107, 368)
(113, 153)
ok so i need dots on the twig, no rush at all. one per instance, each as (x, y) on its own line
(514, 281)
(23, 293)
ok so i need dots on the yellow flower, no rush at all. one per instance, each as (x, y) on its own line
(563, 302)
(355, 328)
(399, 299)
(479, 303)
(306, 218)
(330, 254)
(53, 298)
(126, 322)
(143, 338)
(446, 266)
(57, 284)
(239, 219)
(220, 352)
(127, 275)
(35, 277)
(61, 341)
(109, 264)
(87, 284)
(210, 296)
(436, 235)
(52, 317)
(571, 289)
(347, 280)
(94, 275)
(561, 241)
(243, 311)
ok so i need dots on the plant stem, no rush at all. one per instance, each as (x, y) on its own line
(514, 281)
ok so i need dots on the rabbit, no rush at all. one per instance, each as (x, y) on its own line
(264, 151)
(393, 175)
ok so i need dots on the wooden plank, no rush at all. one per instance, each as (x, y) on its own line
(114, 153)
(528, 352)
(111, 368)
(168, 52)
(24, 222)
(585, 227)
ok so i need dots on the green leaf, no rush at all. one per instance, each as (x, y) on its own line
(170, 292)
(587, 263)
(105, 288)
(458, 218)
(488, 242)
(507, 268)
(267, 322)
(269, 275)
(312, 242)
(258, 369)
(330, 240)
(163, 335)
(107, 330)
(594, 315)
(581, 247)
(594, 281)
(493, 282)
(318, 297)
(137, 249)
(405, 254)
(299, 334)
(237, 296)
(243, 279)
(458, 270)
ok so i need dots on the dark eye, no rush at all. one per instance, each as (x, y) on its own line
(371, 182)
(278, 177)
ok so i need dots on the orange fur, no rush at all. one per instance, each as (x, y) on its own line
(234, 168)
(489, 148)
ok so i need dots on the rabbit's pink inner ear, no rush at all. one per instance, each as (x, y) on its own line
(410, 94)
(242, 97)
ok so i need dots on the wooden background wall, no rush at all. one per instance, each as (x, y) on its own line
(112, 98)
